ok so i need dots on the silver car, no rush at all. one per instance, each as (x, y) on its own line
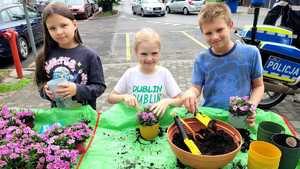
(184, 6)
(148, 7)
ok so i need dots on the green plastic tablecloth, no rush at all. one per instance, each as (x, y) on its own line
(114, 143)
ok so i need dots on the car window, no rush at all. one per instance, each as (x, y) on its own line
(75, 2)
(16, 13)
(62, 1)
(10, 1)
(32, 13)
(151, 1)
(4, 17)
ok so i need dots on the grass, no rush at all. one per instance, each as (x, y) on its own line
(8, 87)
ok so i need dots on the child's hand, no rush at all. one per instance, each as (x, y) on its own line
(48, 92)
(66, 90)
(190, 101)
(251, 119)
(130, 100)
(160, 107)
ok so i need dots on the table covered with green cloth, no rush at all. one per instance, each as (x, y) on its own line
(115, 144)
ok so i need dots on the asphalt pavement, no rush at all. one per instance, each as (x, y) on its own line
(113, 69)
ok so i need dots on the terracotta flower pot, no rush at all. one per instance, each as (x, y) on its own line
(149, 132)
(205, 161)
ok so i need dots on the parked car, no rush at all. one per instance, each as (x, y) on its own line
(184, 6)
(148, 7)
(39, 5)
(81, 8)
(13, 16)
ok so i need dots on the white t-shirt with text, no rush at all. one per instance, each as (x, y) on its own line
(148, 88)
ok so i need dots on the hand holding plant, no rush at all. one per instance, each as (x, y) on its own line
(240, 106)
(160, 107)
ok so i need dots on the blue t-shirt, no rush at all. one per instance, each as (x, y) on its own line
(222, 76)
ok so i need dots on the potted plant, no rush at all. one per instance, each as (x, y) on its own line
(22, 147)
(148, 124)
(239, 109)
(69, 137)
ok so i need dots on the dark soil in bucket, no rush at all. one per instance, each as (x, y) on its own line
(214, 142)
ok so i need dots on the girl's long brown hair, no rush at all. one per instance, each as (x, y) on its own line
(53, 8)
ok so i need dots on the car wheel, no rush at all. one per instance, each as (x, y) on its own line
(168, 10)
(85, 15)
(142, 13)
(163, 14)
(23, 48)
(185, 11)
(271, 99)
(133, 12)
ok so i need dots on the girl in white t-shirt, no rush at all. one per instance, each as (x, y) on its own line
(147, 84)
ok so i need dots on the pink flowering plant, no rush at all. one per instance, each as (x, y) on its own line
(240, 106)
(23, 148)
(147, 118)
(67, 137)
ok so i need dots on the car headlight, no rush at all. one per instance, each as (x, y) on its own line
(148, 8)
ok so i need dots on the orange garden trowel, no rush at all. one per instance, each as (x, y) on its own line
(188, 142)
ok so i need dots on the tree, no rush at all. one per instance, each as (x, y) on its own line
(107, 5)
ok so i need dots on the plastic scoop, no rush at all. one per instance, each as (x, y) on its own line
(196, 136)
(188, 142)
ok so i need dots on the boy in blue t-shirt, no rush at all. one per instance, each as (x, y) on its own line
(226, 68)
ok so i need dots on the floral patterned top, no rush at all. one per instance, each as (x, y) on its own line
(80, 65)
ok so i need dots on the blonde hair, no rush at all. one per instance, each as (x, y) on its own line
(146, 35)
(212, 11)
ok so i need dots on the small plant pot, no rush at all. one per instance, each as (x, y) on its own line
(149, 132)
(80, 147)
(290, 148)
(267, 129)
(237, 121)
(262, 154)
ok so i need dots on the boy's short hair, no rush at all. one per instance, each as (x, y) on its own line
(212, 11)
(146, 35)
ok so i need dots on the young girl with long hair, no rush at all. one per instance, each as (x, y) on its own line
(65, 58)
